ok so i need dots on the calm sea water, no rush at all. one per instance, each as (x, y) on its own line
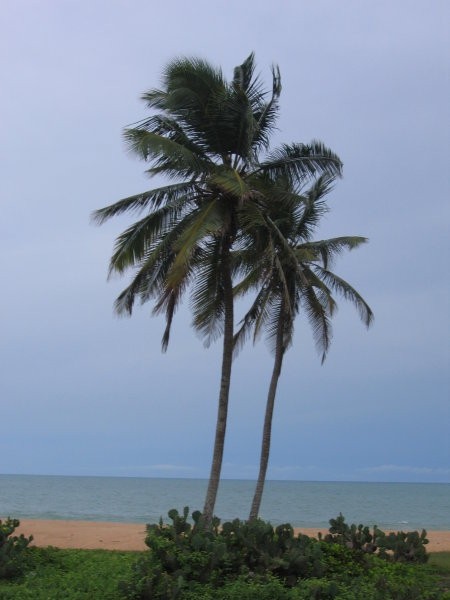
(303, 504)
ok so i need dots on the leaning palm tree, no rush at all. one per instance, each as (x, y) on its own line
(209, 137)
(293, 274)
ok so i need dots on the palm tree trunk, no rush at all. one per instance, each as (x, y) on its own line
(227, 358)
(267, 428)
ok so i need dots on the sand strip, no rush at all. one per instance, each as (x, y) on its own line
(130, 536)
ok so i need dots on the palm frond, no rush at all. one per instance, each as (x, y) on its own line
(166, 152)
(150, 200)
(201, 222)
(254, 319)
(207, 297)
(168, 302)
(347, 292)
(251, 279)
(313, 206)
(165, 125)
(298, 162)
(267, 114)
(315, 305)
(229, 181)
(150, 279)
(147, 282)
(286, 250)
(134, 243)
(243, 74)
(280, 315)
(188, 86)
(328, 250)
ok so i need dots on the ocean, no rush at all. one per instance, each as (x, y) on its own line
(405, 506)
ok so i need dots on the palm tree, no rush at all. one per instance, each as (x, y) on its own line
(292, 274)
(211, 138)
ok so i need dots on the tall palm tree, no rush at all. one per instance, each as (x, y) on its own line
(292, 273)
(211, 138)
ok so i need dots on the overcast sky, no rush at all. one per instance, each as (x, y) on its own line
(83, 392)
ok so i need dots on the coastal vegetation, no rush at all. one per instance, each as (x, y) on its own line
(256, 560)
(239, 561)
(12, 549)
(56, 574)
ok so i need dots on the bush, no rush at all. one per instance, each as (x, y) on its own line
(404, 547)
(12, 549)
(184, 555)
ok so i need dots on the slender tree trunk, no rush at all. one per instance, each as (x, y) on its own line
(267, 428)
(227, 358)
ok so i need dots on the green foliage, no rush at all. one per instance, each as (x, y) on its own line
(351, 536)
(441, 560)
(254, 560)
(383, 581)
(184, 555)
(404, 546)
(12, 549)
(408, 547)
(440, 565)
(271, 589)
(339, 559)
(54, 574)
(401, 581)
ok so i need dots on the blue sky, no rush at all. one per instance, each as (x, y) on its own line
(85, 393)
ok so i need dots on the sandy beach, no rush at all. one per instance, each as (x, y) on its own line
(130, 536)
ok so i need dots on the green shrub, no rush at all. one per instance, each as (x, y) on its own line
(404, 547)
(341, 561)
(184, 555)
(12, 549)
(353, 537)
